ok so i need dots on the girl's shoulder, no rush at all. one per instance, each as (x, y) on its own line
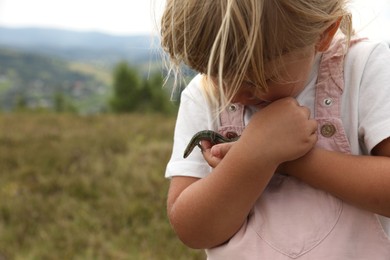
(194, 89)
(195, 83)
(365, 48)
(367, 53)
(196, 94)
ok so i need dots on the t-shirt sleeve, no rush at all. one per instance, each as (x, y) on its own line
(374, 100)
(193, 116)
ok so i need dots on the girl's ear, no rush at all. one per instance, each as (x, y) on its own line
(327, 36)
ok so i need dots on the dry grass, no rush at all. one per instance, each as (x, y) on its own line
(75, 187)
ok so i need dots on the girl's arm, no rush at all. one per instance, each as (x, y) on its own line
(363, 181)
(207, 212)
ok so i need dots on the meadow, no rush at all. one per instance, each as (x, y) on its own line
(86, 187)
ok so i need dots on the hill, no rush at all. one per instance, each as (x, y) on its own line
(35, 80)
(39, 66)
(82, 46)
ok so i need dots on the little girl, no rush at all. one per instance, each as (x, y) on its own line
(309, 177)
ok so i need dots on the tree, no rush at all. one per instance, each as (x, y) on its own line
(63, 104)
(158, 97)
(135, 94)
(126, 89)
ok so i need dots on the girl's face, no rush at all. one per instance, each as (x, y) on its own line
(291, 81)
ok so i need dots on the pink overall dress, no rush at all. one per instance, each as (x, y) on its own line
(292, 220)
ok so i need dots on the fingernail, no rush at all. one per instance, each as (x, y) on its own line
(215, 151)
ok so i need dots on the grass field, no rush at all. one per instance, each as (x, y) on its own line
(74, 187)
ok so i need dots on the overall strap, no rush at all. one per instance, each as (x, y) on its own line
(232, 120)
(329, 90)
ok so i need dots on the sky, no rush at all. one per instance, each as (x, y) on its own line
(130, 17)
(122, 17)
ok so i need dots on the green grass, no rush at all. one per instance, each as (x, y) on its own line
(74, 187)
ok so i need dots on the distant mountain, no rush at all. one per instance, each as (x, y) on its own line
(36, 81)
(38, 64)
(82, 46)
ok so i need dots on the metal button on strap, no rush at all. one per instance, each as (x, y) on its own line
(328, 130)
(232, 108)
(231, 135)
(328, 102)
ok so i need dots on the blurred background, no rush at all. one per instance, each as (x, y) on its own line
(86, 128)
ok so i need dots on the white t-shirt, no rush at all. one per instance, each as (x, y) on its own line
(365, 109)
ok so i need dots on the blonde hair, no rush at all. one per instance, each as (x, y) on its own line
(231, 41)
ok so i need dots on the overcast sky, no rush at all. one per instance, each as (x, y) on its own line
(371, 17)
(112, 16)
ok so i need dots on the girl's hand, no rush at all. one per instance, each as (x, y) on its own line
(283, 130)
(214, 154)
(291, 133)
